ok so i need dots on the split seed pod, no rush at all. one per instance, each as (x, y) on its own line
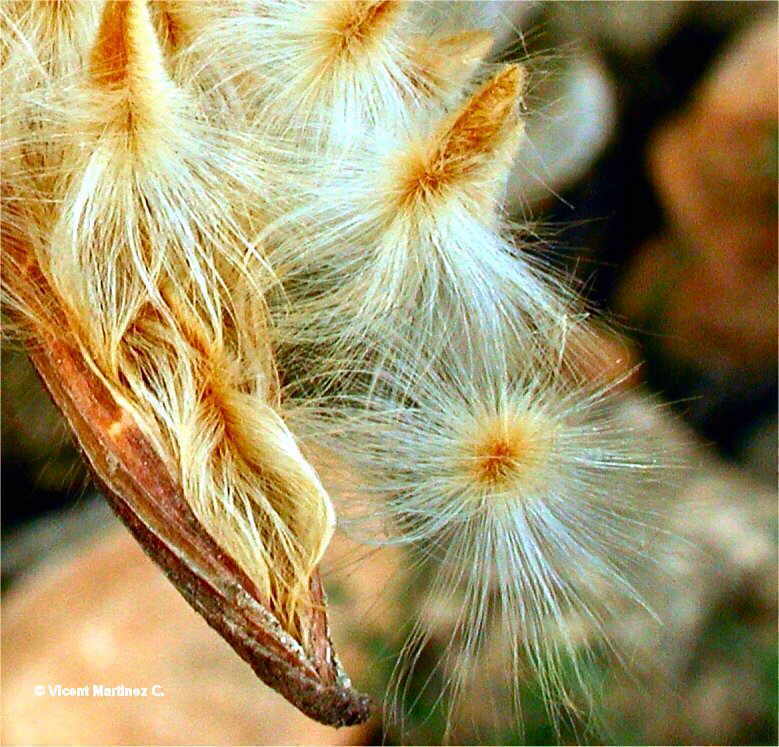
(142, 303)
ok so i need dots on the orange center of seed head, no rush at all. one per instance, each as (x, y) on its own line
(111, 54)
(466, 146)
(354, 26)
(509, 452)
(496, 460)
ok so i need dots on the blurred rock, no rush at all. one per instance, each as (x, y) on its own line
(108, 616)
(633, 27)
(53, 536)
(759, 451)
(707, 288)
(708, 676)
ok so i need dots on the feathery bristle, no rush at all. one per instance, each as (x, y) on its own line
(56, 33)
(467, 149)
(178, 22)
(355, 27)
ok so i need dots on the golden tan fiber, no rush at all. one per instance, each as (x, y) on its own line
(472, 141)
(446, 62)
(164, 294)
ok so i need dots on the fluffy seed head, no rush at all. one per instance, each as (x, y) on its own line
(530, 501)
(352, 29)
(412, 231)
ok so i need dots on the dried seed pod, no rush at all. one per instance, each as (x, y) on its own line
(143, 302)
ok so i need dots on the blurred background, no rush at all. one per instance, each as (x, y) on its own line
(649, 175)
